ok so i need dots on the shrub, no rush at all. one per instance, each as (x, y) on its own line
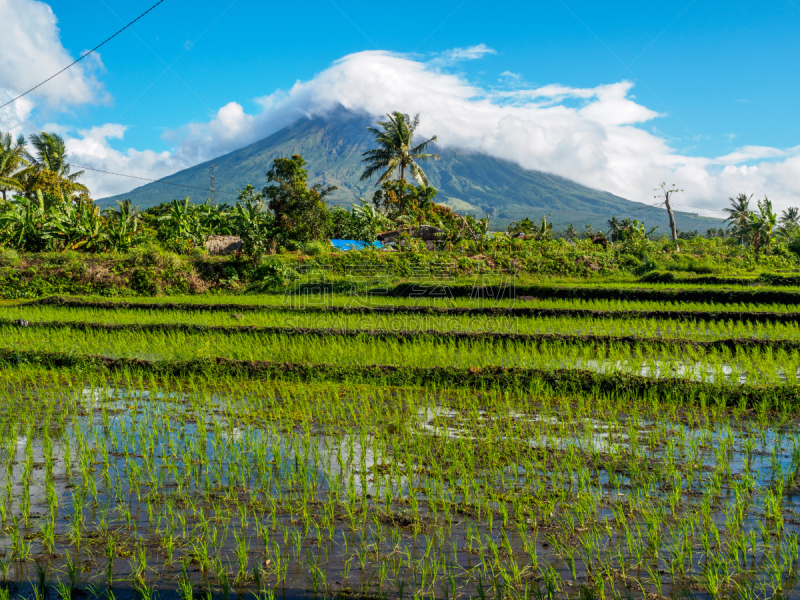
(154, 256)
(9, 257)
(316, 248)
(270, 276)
(144, 281)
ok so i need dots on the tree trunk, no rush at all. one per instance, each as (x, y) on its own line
(402, 172)
(672, 226)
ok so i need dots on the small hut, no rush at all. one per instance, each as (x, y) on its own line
(430, 235)
(223, 244)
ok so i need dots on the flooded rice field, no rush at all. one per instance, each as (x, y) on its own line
(167, 452)
(143, 488)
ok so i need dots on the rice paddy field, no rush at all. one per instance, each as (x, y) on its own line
(299, 447)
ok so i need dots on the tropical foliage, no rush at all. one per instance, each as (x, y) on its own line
(528, 229)
(300, 211)
(395, 151)
(627, 230)
(12, 163)
(51, 155)
(51, 211)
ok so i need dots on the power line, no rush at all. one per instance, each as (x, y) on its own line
(193, 187)
(82, 57)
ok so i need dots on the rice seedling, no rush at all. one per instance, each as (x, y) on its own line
(324, 487)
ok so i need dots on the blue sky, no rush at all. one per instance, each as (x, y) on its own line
(722, 76)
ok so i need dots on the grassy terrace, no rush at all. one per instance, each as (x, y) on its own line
(620, 460)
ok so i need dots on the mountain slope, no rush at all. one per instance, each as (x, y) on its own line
(467, 182)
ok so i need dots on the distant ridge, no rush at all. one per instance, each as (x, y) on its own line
(467, 182)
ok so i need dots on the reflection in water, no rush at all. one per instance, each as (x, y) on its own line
(142, 468)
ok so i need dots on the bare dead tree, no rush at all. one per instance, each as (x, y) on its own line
(664, 195)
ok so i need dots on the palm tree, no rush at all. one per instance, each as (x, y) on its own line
(12, 163)
(51, 154)
(395, 151)
(571, 232)
(614, 227)
(740, 212)
(790, 218)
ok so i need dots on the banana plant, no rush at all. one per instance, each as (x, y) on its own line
(254, 223)
(179, 222)
(78, 226)
(21, 224)
(122, 225)
(761, 225)
(370, 221)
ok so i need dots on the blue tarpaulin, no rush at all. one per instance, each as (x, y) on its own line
(343, 245)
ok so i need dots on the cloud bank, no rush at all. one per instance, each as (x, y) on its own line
(596, 136)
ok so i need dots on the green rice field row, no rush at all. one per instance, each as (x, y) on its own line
(322, 301)
(620, 324)
(758, 366)
(145, 455)
(400, 335)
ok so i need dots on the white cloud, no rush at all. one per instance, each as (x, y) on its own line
(32, 51)
(455, 55)
(15, 117)
(595, 136)
(749, 153)
(91, 148)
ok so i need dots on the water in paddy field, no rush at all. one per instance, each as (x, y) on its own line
(155, 492)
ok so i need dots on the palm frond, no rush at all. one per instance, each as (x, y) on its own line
(394, 151)
(418, 173)
(420, 148)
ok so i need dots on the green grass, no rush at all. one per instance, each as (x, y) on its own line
(756, 366)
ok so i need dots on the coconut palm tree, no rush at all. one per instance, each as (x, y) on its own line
(790, 218)
(614, 228)
(12, 163)
(739, 212)
(51, 154)
(395, 151)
